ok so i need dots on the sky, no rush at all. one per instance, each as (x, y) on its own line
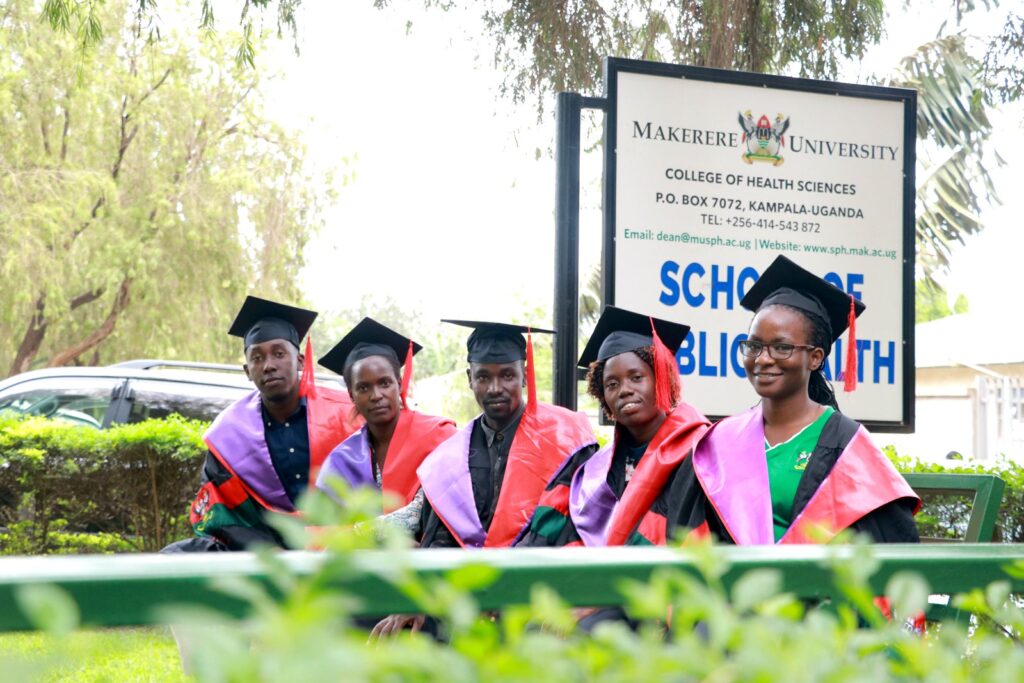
(447, 207)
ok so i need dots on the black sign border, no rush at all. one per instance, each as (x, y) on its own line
(615, 65)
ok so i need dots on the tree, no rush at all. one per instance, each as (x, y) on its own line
(953, 128)
(960, 79)
(590, 298)
(548, 47)
(144, 194)
(932, 302)
(544, 48)
(84, 20)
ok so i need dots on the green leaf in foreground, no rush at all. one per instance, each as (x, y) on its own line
(49, 608)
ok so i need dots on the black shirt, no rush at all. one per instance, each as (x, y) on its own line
(288, 443)
(624, 461)
(488, 450)
(488, 456)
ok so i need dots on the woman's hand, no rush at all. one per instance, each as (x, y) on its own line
(397, 622)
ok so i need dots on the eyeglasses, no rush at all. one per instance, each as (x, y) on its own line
(752, 349)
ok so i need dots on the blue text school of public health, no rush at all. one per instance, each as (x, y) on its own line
(717, 354)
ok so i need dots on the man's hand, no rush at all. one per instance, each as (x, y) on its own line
(397, 622)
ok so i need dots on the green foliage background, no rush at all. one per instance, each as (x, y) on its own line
(145, 191)
(932, 303)
(946, 516)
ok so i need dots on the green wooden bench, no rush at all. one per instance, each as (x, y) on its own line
(125, 590)
(986, 491)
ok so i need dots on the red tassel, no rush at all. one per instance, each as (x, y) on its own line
(407, 376)
(850, 375)
(531, 378)
(307, 383)
(665, 371)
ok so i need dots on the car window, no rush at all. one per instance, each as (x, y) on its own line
(82, 400)
(158, 399)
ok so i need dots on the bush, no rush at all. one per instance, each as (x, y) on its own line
(68, 488)
(297, 627)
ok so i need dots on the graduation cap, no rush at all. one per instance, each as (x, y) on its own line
(370, 338)
(503, 343)
(496, 342)
(619, 331)
(784, 282)
(260, 320)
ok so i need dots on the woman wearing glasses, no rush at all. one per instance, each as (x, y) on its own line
(792, 469)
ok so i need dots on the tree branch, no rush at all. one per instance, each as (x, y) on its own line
(126, 139)
(37, 327)
(86, 298)
(154, 87)
(122, 149)
(44, 129)
(92, 216)
(105, 329)
(36, 332)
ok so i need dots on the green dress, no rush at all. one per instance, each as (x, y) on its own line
(786, 464)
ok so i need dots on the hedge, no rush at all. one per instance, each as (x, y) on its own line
(68, 488)
(946, 516)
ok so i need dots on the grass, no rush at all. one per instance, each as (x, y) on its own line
(137, 654)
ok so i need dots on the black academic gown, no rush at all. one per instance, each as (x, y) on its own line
(486, 472)
(893, 522)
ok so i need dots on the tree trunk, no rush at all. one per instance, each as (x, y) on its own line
(36, 331)
(32, 340)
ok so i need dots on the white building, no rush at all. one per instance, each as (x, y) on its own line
(970, 390)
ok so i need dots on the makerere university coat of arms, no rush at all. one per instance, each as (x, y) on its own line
(764, 140)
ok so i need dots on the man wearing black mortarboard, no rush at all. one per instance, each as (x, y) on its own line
(483, 483)
(266, 448)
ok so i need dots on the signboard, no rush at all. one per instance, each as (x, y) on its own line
(709, 175)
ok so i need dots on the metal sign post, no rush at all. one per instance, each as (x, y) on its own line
(568, 107)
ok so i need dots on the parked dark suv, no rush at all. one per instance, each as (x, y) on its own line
(126, 392)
